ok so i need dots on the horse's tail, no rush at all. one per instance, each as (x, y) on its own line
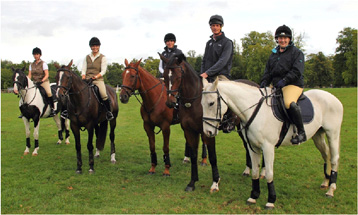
(101, 135)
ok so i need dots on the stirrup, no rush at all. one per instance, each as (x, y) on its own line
(109, 116)
(64, 114)
(52, 113)
(298, 139)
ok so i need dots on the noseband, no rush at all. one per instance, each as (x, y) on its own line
(218, 110)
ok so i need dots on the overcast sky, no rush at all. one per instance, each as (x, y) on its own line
(136, 28)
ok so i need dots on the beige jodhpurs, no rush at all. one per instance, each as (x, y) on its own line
(291, 93)
(46, 86)
(102, 89)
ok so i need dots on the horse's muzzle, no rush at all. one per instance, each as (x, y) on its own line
(124, 98)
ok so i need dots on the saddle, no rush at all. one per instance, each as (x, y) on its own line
(279, 111)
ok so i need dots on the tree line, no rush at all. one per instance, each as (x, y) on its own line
(249, 61)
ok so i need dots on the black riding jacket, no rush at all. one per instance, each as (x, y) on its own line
(287, 65)
(217, 59)
(169, 52)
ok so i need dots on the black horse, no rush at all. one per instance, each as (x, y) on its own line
(85, 109)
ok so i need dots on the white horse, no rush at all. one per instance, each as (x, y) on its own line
(263, 133)
(33, 107)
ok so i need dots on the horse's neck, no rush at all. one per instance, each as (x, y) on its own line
(78, 90)
(192, 85)
(30, 83)
(241, 98)
(148, 86)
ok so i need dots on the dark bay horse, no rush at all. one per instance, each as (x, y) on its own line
(85, 110)
(33, 106)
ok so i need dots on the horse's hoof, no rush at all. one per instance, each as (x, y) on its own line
(34, 154)
(323, 187)
(269, 206)
(245, 174)
(114, 162)
(166, 174)
(67, 143)
(189, 189)
(58, 143)
(262, 176)
(96, 156)
(203, 164)
(26, 153)
(78, 171)
(91, 171)
(151, 173)
(329, 196)
(186, 161)
(251, 201)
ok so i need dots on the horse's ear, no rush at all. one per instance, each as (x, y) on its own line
(126, 62)
(205, 83)
(137, 64)
(215, 84)
(163, 58)
(13, 69)
(70, 64)
(23, 68)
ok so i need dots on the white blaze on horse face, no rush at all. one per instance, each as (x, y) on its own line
(59, 83)
(170, 82)
(16, 90)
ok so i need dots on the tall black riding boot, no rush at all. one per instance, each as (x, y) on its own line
(50, 101)
(109, 114)
(295, 115)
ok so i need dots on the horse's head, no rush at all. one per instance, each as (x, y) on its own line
(131, 80)
(64, 80)
(213, 108)
(20, 79)
(173, 74)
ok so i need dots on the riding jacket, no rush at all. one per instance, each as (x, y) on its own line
(217, 59)
(94, 65)
(37, 70)
(168, 53)
(287, 65)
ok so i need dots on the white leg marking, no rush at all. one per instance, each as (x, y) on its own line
(215, 187)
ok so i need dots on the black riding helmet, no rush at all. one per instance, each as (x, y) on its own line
(169, 36)
(36, 51)
(283, 31)
(94, 42)
(216, 19)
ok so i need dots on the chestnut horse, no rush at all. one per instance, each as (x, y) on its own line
(85, 110)
(153, 109)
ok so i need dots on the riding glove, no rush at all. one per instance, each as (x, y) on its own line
(281, 83)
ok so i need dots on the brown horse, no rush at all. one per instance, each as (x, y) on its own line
(86, 110)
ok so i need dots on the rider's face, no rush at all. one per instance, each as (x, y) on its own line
(170, 43)
(95, 49)
(283, 42)
(37, 57)
(215, 28)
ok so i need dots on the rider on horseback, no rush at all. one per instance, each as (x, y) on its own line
(38, 70)
(285, 70)
(95, 67)
(169, 50)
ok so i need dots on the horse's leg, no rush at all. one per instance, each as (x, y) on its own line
(149, 129)
(27, 132)
(187, 153)
(269, 155)
(210, 142)
(113, 124)
(255, 159)
(333, 137)
(36, 135)
(204, 155)
(96, 132)
(248, 159)
(59, 127)
(76, 132)
(193, 140)
(320, 143)
(67, 126)
(90, 148)
(166, 135)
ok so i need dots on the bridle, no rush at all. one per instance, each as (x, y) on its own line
(218, 116)
(132, 89)
(69, 84)
(22, 86)
(177, 91)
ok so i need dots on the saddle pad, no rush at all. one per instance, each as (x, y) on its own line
(303, 102)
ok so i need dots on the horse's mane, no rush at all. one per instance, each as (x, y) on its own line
(181, 58)
(248, 82)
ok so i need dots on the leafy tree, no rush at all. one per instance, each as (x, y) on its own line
(113, 75)
(345, 60)
(151, 65)
(318, 70)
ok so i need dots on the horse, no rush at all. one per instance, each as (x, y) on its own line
(86, 110)
(261, 125)
(153, 109)
(34, 106)
(183, 82)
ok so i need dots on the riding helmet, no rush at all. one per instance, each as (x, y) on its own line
(216, 19)
(170, 36)
(94, 42)
(284, 31)
(36, 51)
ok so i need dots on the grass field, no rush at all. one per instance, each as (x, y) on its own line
(48, 183)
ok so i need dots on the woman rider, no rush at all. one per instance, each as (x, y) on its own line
(284, 69)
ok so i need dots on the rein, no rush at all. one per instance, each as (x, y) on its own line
(21, 87)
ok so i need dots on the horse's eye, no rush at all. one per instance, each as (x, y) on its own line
(211, 103)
